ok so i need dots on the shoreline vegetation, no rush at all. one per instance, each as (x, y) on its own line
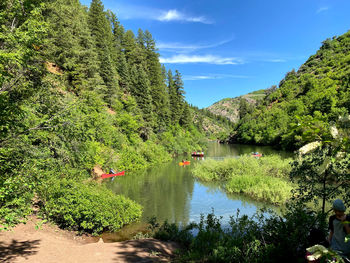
(265, 178)
(95, 94)
(74, 98)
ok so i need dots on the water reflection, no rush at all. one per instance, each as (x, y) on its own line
(233, 150)
(169, 192)
(164, 191)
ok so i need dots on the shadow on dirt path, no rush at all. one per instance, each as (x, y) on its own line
(10, 251)
(141, 251)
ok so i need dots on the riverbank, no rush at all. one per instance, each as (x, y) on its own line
(38, 242)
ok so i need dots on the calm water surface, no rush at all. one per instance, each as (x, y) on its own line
(169, 192)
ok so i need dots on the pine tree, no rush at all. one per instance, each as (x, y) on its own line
(165, 89)
(71, 46)
(172, 98)
(140, 89)
(158, 85)
(102, 33)
(179, 95)
(124, 73)
(134, 53)
(186, 117)
(118, 34)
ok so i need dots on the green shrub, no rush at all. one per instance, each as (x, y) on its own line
(86, 207)
(264, 178)
(259, 238)
(270, 189)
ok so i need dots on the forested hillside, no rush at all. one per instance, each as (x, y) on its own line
(236, 108)
(78, 91)
(306, 102)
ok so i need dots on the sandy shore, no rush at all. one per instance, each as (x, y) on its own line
(49, 244)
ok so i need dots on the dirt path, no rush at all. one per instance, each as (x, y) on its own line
(49, 244)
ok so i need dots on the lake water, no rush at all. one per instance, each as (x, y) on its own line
(169, 192)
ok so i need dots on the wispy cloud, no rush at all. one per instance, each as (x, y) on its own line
(322, 9)
(175, 15)
(179, 47)
(189, 77)
(209, 59)
(214, 76)
(276, 60)
(126, 11)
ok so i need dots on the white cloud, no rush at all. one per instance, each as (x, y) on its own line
(189, 77)
(126, 11)
(175, 15)
(277, 60)
(214, 76)
(170, 15)
(179, 47)
(322, 9)
(210, 59)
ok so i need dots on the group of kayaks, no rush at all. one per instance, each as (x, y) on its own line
(184, 163)
(193, 154)
(197, 154)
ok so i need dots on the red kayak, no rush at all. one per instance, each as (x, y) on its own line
(103, 176)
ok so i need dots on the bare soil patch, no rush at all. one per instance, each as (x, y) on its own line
(46, 243)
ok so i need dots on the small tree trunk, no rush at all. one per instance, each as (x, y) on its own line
(325, 175)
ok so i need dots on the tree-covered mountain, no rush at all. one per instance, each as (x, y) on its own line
(215, 127)
(306, 102)
(78, 91)
(236, 108)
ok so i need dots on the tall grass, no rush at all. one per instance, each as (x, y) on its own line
(265, 178)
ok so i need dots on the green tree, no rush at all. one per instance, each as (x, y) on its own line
(103, 39)
(22, 34)
(134, 52)
(322, 171)
(157, 81)
(70, 45)
(140, 89)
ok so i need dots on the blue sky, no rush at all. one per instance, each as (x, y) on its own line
(228, 48)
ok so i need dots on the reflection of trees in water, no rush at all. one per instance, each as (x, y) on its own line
(164, 191)
(223, 150)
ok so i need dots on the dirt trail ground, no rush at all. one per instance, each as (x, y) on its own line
(49, 244)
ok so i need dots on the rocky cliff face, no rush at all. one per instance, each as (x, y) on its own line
(231, 108)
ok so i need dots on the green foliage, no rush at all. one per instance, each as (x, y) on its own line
(264, 178)
(101, 32)
(316, 94)
(260, 238)
(272, 190)
(323, 174)
(76, 92)
(86, 207)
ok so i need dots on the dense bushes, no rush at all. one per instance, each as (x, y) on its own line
(264, 178)
(65, 108)
(86, 207)
(256, 239)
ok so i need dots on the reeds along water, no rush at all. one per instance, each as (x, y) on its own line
(265, 178)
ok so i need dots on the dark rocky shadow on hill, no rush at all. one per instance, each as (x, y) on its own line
(10, 251)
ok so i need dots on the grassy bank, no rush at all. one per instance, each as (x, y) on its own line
(265, 178)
